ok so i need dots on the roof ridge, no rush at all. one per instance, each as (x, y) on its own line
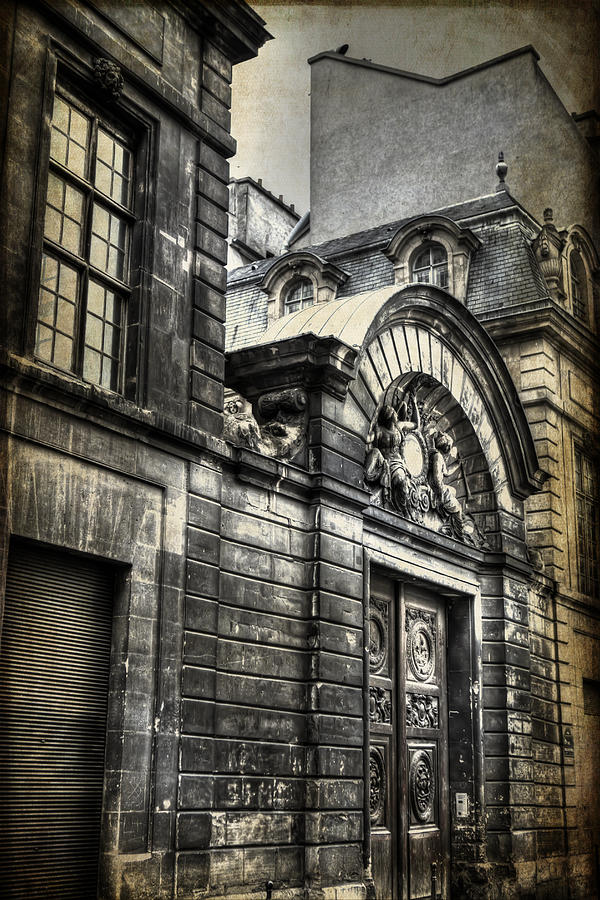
(428, 79)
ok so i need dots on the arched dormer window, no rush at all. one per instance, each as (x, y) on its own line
(576, 272)
(298, 280)
(299, 295)
(578, 282)
(433, 250)
(430, 266)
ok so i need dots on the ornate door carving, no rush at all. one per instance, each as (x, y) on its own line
(409, 744)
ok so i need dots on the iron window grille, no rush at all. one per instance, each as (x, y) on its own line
(85, 281)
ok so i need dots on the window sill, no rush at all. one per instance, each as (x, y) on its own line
(99, 404)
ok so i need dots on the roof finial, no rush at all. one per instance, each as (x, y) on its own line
(501, 170)
(548, 215)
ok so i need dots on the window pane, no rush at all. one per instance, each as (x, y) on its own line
(95, 302)
(49, 277)
(93, 332)
(441, 276)
(110, 373)
(103, 336)
(43, 342)
(113, 167)
(92, 366)
(438, 254)
(56, 312)
(64, 214)
(63, 351)
(108, 249)
(69, 137)
(46, 307)
(65, 317)
(299, 296)
(422, 260)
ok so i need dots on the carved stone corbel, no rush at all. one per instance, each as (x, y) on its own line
(279, 430)
(108, 78)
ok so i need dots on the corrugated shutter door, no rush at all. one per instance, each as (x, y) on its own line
(54, 667)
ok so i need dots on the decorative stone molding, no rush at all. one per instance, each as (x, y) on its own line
(282, 433)
(407, 463)
(325, 278)
(459, 243)
(108, 77)
(547, 247)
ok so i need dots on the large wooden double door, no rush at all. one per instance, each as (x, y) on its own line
(409, 743)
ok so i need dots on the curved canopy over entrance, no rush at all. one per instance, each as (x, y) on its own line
(423, 331)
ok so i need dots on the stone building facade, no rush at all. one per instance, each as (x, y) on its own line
(466, 332)
(338, 640)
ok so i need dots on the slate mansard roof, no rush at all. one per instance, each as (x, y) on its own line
(503, 270)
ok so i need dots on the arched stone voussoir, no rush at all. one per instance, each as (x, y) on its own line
(422, 329)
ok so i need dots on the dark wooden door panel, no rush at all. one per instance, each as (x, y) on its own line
(409, 744)
(425, 753)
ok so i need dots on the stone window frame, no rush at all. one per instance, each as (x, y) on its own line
(414, 236)
(577, 241)
(288, 270)
(73, 79)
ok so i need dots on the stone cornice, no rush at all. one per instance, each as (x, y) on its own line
(546, 319)
(305, 361)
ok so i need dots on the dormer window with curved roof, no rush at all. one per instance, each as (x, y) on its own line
(433, 250)
(299, 295)
(298, 280)
(430, 266)
(578, 286)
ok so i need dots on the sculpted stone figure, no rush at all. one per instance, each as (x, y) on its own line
(444, 496)
(408, 463)
(385, 460)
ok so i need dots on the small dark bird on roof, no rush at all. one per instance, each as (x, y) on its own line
(342, 50)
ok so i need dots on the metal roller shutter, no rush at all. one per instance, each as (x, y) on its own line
(54, 667)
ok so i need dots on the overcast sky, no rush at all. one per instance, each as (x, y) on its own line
(271, 94)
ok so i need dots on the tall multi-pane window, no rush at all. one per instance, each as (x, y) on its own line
(588, 523)
(578, 286)
(431, 266)
(85, 277)
(299, 296)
